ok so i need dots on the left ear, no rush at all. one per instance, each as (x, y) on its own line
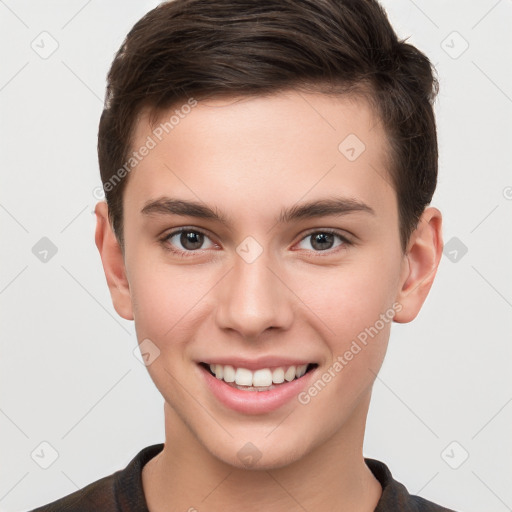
(421, 260)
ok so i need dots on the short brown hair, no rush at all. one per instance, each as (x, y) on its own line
(186, 49)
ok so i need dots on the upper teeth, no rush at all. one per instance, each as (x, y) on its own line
(262, 377)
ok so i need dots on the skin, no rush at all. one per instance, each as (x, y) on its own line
(249, 158)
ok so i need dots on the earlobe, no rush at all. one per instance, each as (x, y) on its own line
(113, 263)
(421, 261)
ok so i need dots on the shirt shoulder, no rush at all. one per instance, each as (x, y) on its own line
(395, 496)
(120, 492)
(97, 496)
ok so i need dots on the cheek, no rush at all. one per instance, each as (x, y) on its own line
(350, 298)
(167, 299)
(154, 308)
(359, 321)
(355, 305)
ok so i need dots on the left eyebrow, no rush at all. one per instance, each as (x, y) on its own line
(312, 209)
(324, 207)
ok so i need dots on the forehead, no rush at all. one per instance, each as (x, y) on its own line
(266, 149)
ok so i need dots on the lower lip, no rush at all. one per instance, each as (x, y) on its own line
(255, 402)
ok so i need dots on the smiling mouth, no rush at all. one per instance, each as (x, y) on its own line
(263, 379)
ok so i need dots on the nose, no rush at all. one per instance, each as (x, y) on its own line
(253, 298)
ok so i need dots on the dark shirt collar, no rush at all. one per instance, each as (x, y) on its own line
(130, 495)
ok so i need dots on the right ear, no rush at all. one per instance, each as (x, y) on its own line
(113, 262)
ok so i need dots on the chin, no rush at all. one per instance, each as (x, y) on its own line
(261, 454)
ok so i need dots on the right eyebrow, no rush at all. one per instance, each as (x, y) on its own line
(170, 206)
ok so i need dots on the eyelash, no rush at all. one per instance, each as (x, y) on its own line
(182, 254)
(186, 254)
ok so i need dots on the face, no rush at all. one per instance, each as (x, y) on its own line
(262, 238)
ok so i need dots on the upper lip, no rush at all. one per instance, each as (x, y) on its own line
(256, 364)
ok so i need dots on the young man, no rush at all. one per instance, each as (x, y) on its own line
(268, 167)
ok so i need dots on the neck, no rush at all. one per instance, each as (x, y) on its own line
(332, 476)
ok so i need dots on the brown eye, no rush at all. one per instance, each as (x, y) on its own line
(322, 241)
(191, 240)
(187, 241)
(325, 240)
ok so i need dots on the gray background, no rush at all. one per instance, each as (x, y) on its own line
(68, 374)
